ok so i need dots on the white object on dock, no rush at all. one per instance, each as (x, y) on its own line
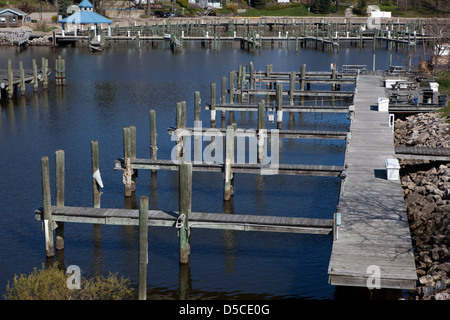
(392, 169)
(383, 104)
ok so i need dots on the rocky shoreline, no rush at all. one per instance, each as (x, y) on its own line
(426, 189)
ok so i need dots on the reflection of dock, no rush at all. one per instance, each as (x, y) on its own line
(373, 245)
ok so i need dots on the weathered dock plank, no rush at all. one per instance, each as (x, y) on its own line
(287, 108)
(374, 231)
(298, 134)
(160, 218)
(252, 168)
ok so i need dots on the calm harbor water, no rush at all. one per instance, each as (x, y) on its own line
(117, 88)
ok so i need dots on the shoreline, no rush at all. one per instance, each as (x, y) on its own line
(426, 190)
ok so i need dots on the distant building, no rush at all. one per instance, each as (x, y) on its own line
(12, 17)
(375, 12)
(85, 15)
(216, 4)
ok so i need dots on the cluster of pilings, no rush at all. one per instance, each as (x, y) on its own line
(11, 79)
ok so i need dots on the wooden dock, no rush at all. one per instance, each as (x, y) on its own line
(293, 134)
(158, 218)
(251, 168)
(287, 108)
(12, 78)
(373, 245)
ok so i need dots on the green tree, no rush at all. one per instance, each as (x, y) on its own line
(62, 7)
(258, 4)
(321, 6)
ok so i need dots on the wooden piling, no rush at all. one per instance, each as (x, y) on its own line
(196, 106)
(303, 76)
(185, 196)
(232, 76)
(132, 142)
(143, 246)
(333, 76)
(47, 208)
(213, 105)
(229, 160)
(127, 172)
(291, 88)
(10, 80)
(153, 145)
(279, 103)
(22, 78)
(35, 76)
(95, 166)
(60, 191)
(223, 96)
(44, 69)
(261, 126)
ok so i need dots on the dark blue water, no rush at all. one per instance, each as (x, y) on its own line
(117, 88)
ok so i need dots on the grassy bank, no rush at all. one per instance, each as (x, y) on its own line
(444, 88)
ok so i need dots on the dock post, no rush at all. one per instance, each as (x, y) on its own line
(153, 146)
(143, 246)
(269, 68)
(44, 70)
(185, 196)
(35, 76)
(232, 81)
(197, 106)
(229, 160)
(22, 78)
(47, 207)
(333, 76)
(261, 126)
(60, 191)
(279, 100)
(251, 80)
(180, 124)
(95, 167)
(133, 155)
(303, 75)
(291, 93)
(223, 96)
(127, 172)
(242, 82)
(10, 80)
(213, 105)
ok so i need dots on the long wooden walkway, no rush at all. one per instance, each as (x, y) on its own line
(158, 218)
(373, 238)
(251, 168)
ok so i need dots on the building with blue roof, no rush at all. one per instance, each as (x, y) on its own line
(85, 15)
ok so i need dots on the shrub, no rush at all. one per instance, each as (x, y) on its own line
(183, 3)
(232, 7)
(51, 284)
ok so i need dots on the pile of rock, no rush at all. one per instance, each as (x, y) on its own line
(40, 41)
(423, 129)
(426, 188)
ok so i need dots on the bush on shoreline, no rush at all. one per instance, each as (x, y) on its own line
(51, 284)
